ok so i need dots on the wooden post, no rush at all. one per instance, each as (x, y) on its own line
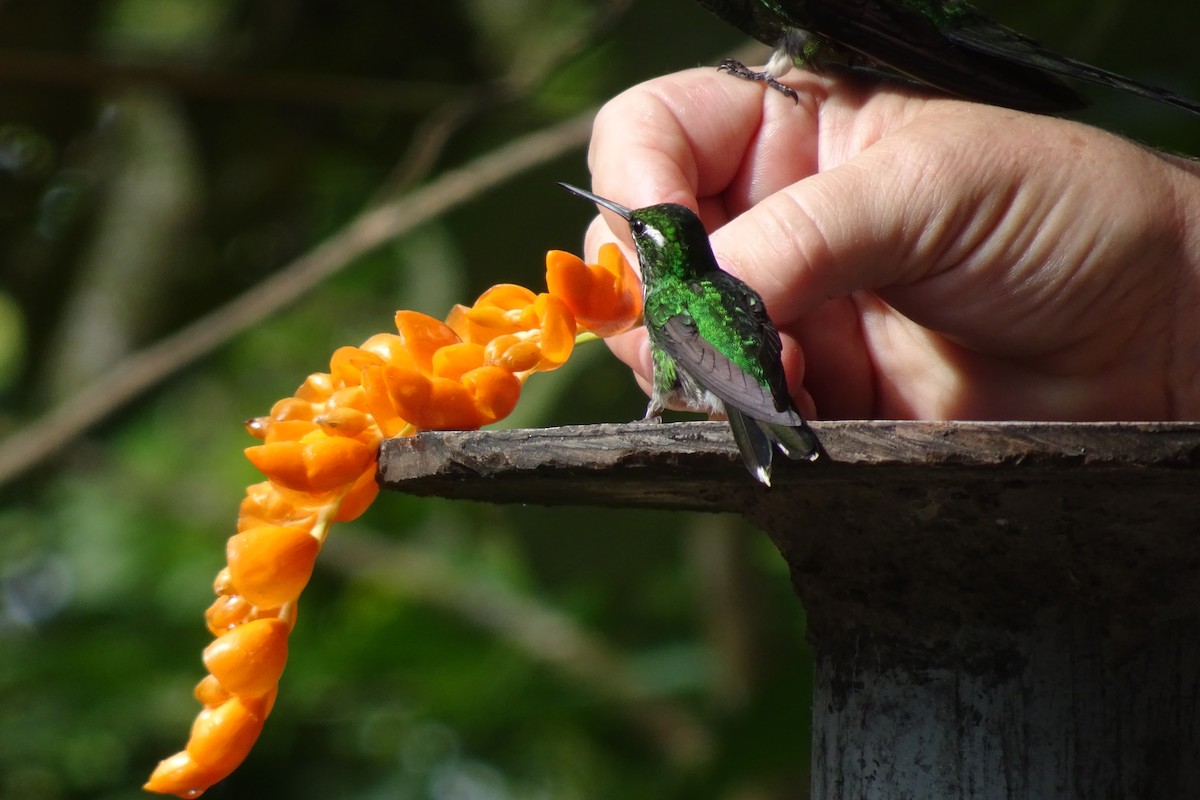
(997, 610)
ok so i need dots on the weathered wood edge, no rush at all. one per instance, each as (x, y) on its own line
(695, 465)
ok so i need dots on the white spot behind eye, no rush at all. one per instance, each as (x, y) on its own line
(654, 235)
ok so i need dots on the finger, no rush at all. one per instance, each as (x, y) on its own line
(686, 136)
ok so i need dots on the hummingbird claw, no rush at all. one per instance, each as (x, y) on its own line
(740, 70)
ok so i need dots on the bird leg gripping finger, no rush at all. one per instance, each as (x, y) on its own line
(740, 70)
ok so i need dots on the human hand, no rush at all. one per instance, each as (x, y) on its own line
(927, 258)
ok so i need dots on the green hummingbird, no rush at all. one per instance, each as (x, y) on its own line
(714, 348)
(946, 44)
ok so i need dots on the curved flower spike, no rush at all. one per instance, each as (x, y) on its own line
(319, 451)
(605, 297)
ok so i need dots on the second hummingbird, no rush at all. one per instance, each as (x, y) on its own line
(714, 348)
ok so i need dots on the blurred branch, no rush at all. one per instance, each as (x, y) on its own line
(84, 72)
(435, 131)
(537, 629)
(148, 367)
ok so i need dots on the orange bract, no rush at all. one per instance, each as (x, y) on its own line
(316, 463)
(422, 336)
(557, 324)
(360, 496)
(270, 565)
(605, 297)
(431, 404)
(499, 310)
(181, 775)
(494, 392)
(453, 360)
(248, 660)
(222, 736)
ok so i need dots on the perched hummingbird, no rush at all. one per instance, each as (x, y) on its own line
(946, 44)
(714, 348)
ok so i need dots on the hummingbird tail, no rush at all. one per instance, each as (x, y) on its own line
(754, 443)
(757, 440)
(797, 442)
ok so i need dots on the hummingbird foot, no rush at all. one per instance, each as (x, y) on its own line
(740, 70)
(653, 414)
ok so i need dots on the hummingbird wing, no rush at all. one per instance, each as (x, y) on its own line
(713, 370)
(711, 353)
(900, 37)
(756, 416)
(985, 36)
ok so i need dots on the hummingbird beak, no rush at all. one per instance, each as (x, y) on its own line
(616, 208)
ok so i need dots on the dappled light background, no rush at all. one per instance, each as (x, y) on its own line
(162, 158)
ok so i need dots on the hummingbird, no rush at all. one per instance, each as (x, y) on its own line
(713, 346)
(946, 44)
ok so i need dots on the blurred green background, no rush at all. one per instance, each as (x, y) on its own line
(160, 157)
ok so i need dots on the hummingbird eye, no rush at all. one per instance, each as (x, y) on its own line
(637, 226)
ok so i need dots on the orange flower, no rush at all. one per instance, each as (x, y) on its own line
(221, 739)
(181, 775)
(227, 612)
(453, 360)
(210, 692)
(248, 660)
(316, 463)
(381, 407)
(557, 325)
(349, 422)
(514, 353)
(270, 565)
(316, 388)
(494, 391)
(265, 505)
(291, 408)
(522, 332)
(222, 736)
(604, 297)
(360, 496)
(422, 336)
(502, 309)
(431, 404)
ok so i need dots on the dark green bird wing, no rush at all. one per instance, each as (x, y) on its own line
(964, 56)
(987, 37)
(704, 352)
(714, 371)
